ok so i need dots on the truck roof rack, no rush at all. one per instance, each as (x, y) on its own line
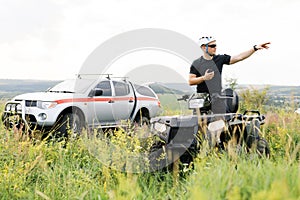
(80, 75)
(108, 76)
(124, 78)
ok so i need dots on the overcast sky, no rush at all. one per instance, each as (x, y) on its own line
(50, 39)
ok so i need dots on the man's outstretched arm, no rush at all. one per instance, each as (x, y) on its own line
(246, 54)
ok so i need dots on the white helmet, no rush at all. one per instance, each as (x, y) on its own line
(205, 40)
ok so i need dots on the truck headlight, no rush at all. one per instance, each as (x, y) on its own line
(47, 104)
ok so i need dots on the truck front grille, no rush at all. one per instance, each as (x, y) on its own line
(30, 103)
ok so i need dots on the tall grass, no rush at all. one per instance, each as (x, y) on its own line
(52, 170)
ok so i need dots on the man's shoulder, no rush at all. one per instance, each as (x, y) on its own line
(198, 60)
(218, 55)
(195, 62)
(221, 56)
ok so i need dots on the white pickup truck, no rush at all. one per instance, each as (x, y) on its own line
(83, 102)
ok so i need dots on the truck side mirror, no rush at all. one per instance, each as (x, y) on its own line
(96, 92)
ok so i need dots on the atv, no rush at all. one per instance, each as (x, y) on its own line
(180, 138)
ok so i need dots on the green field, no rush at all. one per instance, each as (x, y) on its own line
(31, 169)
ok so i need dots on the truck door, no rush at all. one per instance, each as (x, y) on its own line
(101, 106)
(123, 101)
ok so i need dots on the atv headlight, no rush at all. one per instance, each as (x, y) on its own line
(159, 127)
(216, 126)
(161, 130)
(196, 103)
(47, 104)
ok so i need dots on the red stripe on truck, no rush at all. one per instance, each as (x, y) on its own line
(60, 101)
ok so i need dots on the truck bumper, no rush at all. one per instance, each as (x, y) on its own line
(16, 113)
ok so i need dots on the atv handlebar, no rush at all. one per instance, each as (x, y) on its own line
(252, 111)
(221, 96)
(184, 98)
(214, 95)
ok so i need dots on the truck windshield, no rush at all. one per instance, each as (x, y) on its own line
(72, 86)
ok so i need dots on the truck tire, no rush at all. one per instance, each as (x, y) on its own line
(71, 125)
(143, 121)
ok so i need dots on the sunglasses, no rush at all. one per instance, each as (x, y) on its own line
(206, 37)
(212, 45)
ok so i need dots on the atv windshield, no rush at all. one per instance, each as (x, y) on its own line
(72, 86)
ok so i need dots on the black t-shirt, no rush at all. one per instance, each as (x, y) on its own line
(199, 67)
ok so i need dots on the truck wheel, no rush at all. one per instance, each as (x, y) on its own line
(141, 126)
(144, 121)
(71, 124)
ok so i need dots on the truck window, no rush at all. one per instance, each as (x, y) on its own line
(105, 86)
(121, 89)
(144, 91)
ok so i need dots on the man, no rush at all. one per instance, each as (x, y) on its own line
(206, 71)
